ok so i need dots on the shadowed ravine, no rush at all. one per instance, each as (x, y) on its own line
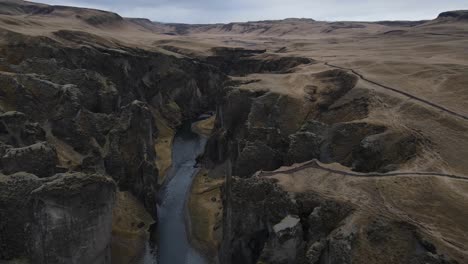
(172, 240)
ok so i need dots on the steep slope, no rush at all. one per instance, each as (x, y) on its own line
(84, 107)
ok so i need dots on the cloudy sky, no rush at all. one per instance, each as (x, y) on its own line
(211, 11)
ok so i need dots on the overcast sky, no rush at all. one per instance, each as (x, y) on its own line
(211, 11)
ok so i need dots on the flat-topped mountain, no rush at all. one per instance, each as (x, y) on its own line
(285, 27)
(457, 15)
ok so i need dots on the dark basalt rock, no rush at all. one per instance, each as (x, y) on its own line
(18, 131)
(241, 62)
(343, 138)
(384, 151)
(15, 213)
(91, 108)
(306, 144)
(76, 208)
(272, 226)
(39, 159)
(254, 157)
(257, 206)
(48, 219)
(268, 227)
(131, 155)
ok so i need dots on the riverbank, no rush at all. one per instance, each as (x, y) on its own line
(173, 231)
(130, 229)
(204, 205)
(205, 213)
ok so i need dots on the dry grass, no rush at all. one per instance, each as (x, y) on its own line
(435, 205)
(129, 229)
(204, 127)
(205, 208)
(163, 146)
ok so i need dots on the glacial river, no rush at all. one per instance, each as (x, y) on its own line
(173, 246)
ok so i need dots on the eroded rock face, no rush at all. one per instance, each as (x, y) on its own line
(257, 206)
(15, 212)
(49, 219)
(16, 130)
(286, 242)
(264, 131)
(267, 131)
(93, 109)
(98, 105)
(39, 159)
(278, 227)
(131, 154)
(306, 144)
(240, 62)
(76, 208)
(271, 226)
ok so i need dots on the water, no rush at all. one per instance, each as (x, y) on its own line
(172, 240)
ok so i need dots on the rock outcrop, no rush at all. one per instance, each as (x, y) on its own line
(39, 159)
(241, 62)
(266, 130)
(70, 104)
(258, 208)
(65, 218)
(269, 225)
(257, 130)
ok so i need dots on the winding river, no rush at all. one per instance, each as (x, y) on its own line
(172, 237)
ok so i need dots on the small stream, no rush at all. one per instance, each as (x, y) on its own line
(173, 246)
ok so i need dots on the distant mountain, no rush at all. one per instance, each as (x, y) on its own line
(278, 28)
(454, 15)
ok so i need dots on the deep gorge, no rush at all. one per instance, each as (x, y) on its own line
(99, 119)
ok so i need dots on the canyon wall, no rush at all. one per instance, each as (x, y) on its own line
(74, 120)
(263, 222)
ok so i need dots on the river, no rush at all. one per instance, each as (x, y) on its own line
(173, 246)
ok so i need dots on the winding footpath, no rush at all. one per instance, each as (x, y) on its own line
(314, 164)
(421, 100)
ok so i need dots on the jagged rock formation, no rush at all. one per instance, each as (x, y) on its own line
(65, 218)
(270, 225)
(269, 130)
(264, 130)
(240, 62)
(85, 109)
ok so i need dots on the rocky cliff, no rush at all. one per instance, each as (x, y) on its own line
(91, 112)
(64, 218)
(267, 222)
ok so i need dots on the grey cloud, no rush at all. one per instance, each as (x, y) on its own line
(211, 11)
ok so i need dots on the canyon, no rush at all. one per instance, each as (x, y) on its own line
(320, 142)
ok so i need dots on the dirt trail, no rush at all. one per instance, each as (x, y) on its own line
(316, 165)
(421, 100)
